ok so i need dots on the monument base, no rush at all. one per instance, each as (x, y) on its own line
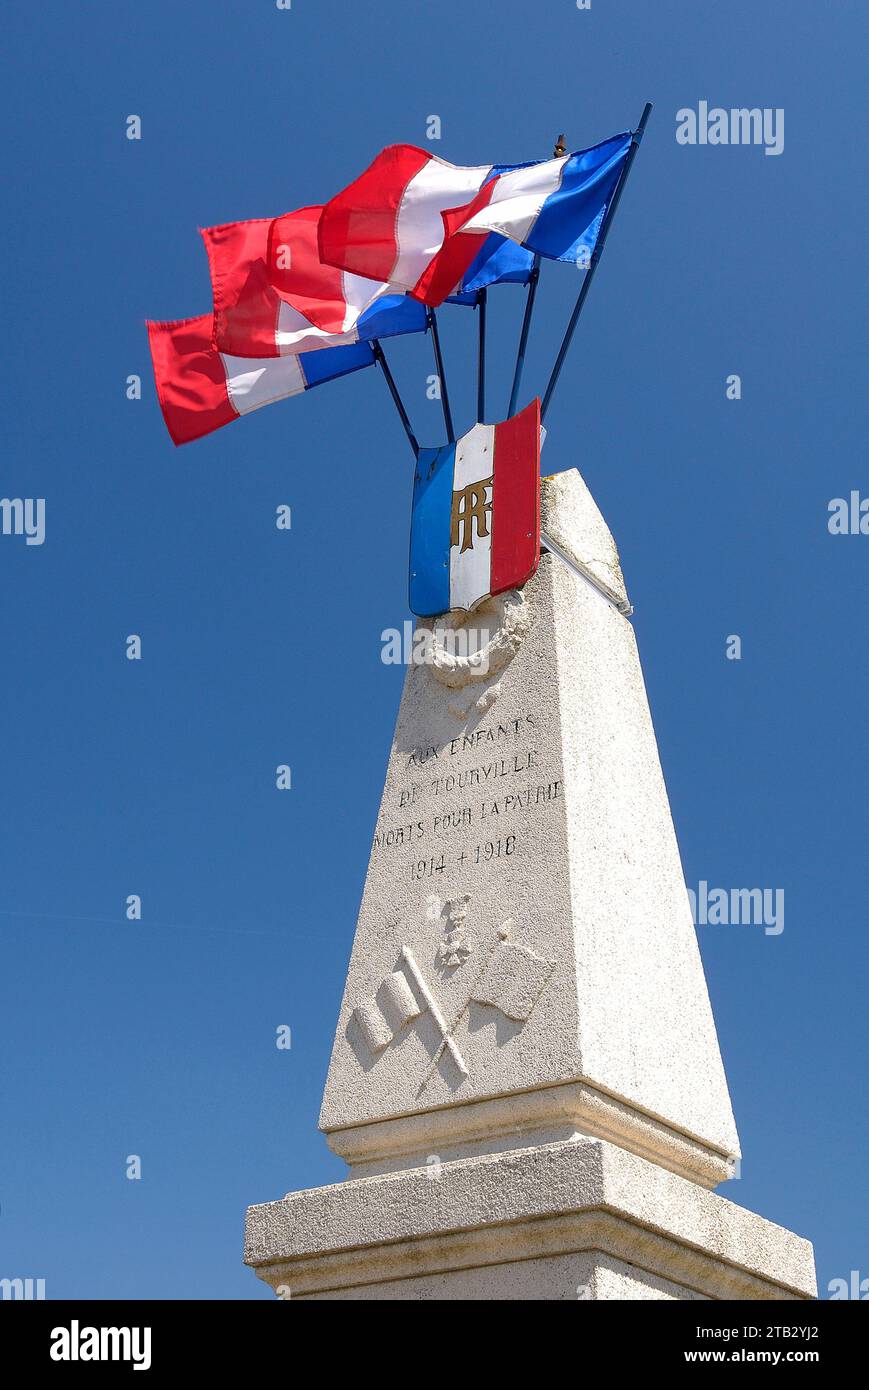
(582, 1219)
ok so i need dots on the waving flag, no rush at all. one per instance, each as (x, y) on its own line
(389, 222)
(418, 222)
(330, 308)
(251, 319)
(553, 209)
(200, 389)
(475, 528)
(498, 262)
(330, 299)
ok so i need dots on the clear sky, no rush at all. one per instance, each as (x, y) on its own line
(261, 647)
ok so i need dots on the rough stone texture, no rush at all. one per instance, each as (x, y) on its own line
(557, 1278)
(545, 807)
(578, 1219)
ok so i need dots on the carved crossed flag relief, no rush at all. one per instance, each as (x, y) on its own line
(380, 1017)
(510, 978)
(513, 980)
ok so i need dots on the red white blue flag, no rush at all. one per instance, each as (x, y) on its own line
(475, 529)
(418, 223)
(201, 389)
(295, 305)
(274, 297)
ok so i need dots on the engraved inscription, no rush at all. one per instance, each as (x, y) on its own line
(456, 792)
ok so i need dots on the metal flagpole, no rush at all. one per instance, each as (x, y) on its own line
(558, 151)
(380, 358)
(523, 337)
(595, 258)
(481, 355)
(439, 363)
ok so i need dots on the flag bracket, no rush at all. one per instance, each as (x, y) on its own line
(623, 606)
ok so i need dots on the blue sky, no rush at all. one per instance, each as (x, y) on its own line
(262, 647)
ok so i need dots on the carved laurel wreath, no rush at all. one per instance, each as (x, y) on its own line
(511, 616)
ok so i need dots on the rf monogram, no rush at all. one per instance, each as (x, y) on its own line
(471, 503)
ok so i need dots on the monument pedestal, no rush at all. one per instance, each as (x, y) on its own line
(526, 1079)
(577, 1219)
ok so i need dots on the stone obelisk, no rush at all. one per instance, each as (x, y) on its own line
(525, 1079)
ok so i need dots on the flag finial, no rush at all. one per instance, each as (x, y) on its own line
(560, 147)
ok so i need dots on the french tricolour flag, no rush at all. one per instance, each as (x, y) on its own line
(200, 389)
(317, 306)
(475, 528)
(273, 296)
(417, 222)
